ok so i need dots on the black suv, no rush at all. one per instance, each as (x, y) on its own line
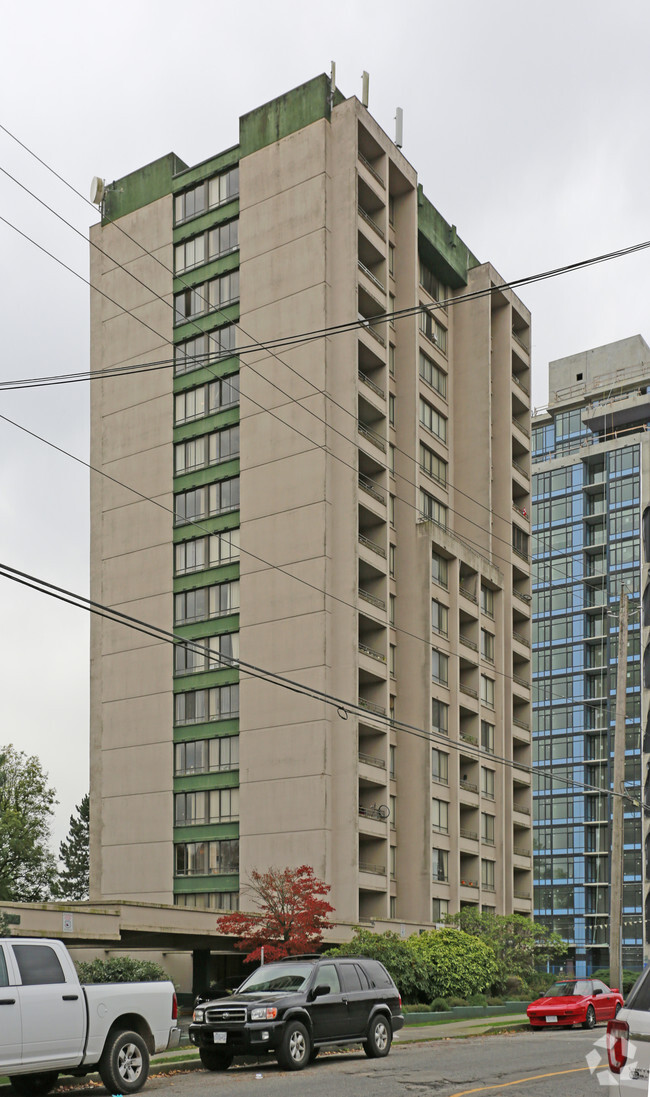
(292, 1008)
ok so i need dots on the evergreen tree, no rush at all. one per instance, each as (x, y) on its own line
(27, 867)
(74, 853)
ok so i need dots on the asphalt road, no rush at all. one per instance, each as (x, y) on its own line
(542, 1064)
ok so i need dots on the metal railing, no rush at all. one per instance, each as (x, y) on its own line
(521, 427)
(372, 436)
(379, 603)
(468, 690)
(367, 485)
(520, 468)
(525, 598)
(520, 384)
(376, 870)
(488, 887)
(522, 555)
(521, 894)
(522, 513)
(372, 545)
(375, 174)
(521, 808)
(517, 338)
(471, 834)
(520, 851)
(371, 653)
(469, 786)
(372, 813)
(469, 884)
(366, 217)
(520, 639)
(363, 377)
(521, 681)
(467, 642)
(467, 593)
(467, 738)
(371, 760)
(373, 278)
(370, 706)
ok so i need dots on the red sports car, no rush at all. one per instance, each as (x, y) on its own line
(575, 1001)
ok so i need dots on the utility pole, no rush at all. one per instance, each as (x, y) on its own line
(616, 873)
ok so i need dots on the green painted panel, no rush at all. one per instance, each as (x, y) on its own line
(207, 168)
(207, 833)
(440, 246)
(210, 475)
(207, 525)
(184, 884)
(211, 322)
(209, 678)
(197, 275)
(197, 225)
(204, 782)
(287, 114)
(217, 730)
(207, 424)
(140, 187)
(205, 578)
(228, 623)
(225, 367)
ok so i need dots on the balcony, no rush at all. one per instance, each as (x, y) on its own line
(366, 380)
(370, 221)
(372, 599)
(371, 436)
(371, 489)
(372, 545)
(375, 174)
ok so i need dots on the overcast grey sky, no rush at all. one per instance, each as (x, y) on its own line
(526, 122)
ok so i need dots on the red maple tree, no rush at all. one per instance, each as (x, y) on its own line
(292, 914)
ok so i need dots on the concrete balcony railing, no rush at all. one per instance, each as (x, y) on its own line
(371, 653)
(374, 870)
(372, 436)
(370, 221)
(371, 760)
(372, 545)
(372, 599)
(365, 380)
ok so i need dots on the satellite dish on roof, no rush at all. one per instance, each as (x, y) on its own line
(96, 190)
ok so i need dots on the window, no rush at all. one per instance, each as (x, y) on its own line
(391, 458)
(431, 284)
(207, 858)
(191, 253)
(391, 760)
(203, 552)
(189, 405)
(439, 909)
(433, 420)
(201, 705)
(440, 816)
(194, 353)
(205, 502)
(392, 906)
(4, 977)
(209, 653)
(439, 617)
(206, 297)
(439, 569)
(487, 875)
(431, 509)
(391, 510)
(434, 331)
(391, 410)
(487, 601)
(487, 783)
(440, 865)
(222, 239)
(391, 259)
(205, 603)
(520, 541)
(391, 559)
(38, 964)
(393, 862)
(439, 666)
(487, 737)
(206, 450)
(440, 716)
(209, 900)
(433, 375)
(206, 756)
(392, 801)
(487, 828)
(487, 645)
(434, 466)
(391, 608)
(391, 659)
(439, 766)
(206, 195)
(487, 691)
(391, 360)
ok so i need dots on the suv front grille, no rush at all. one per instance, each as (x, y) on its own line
(235, 1015)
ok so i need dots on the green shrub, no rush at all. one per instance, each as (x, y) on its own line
(453, 1002)
(119, 969)
(514, 984)
(439, 1005)
(494, 1000)
(450, 962)
(394, 953)
(629, 979)
(477, 1000)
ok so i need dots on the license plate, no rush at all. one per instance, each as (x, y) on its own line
(549, 1021)
(219, 1037)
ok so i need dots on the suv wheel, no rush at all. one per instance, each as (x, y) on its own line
(295, 1050)
(379, 1038)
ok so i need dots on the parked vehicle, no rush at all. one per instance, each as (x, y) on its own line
(574, 1001)
(51, 1024)
(628, 1043)
(294, 1007)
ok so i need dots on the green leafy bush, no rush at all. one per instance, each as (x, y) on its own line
(629, 979)
(396, 956)
(453, 1002)
(451, 962)
(119, 969)
(494, 1000)
(477, 1000)
(439, 1005)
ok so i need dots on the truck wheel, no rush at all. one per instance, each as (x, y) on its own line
(379, 1038)
(215, 1060)
(33, 1085)
(124, 1065)
(295, 1049)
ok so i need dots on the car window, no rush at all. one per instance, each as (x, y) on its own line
(288, 977)
(584, 986)
(639, 996)
(4, 978)
(38, 964)
(350, 977)
(327, 975)
(598, 985)
(377, 974)
(365, 982)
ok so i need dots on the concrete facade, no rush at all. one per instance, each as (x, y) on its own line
(365, 534)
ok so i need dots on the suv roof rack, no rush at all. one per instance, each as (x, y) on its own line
(298, 956)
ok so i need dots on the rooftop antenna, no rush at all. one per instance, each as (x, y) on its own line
(332, 84)
(365, 84)
(97, 188)
(399, 126)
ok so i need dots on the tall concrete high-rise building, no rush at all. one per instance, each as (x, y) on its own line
(591, 500)
(326, 475)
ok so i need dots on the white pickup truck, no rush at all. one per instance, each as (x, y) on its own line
(51, 1024)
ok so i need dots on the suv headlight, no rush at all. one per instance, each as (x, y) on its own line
(198, 1015)
(264, 1013)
